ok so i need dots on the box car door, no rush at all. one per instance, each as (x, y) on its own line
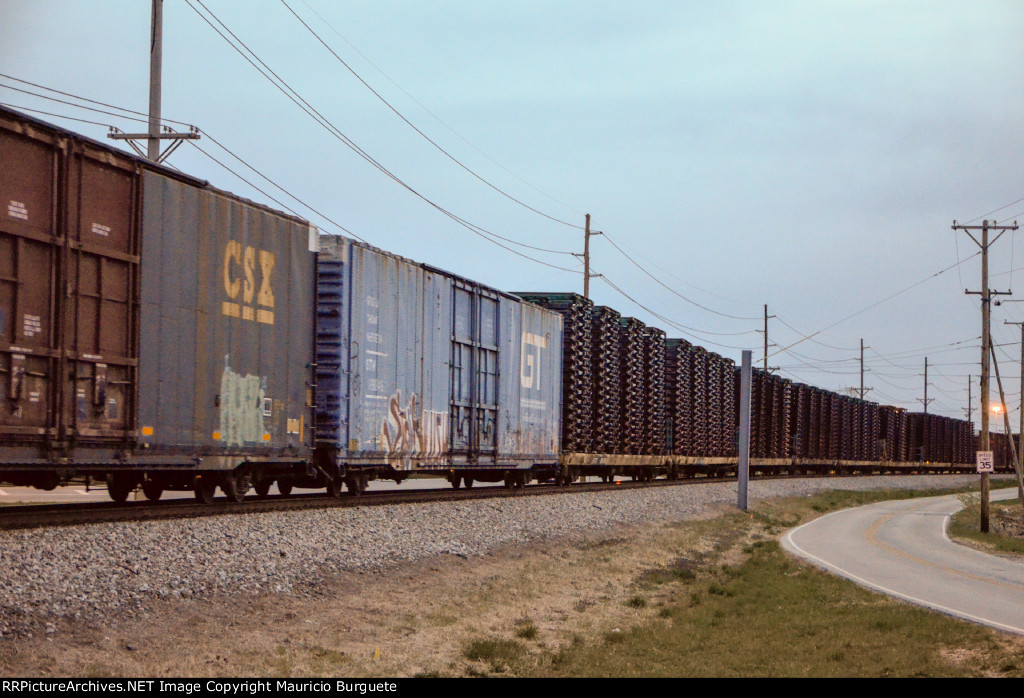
(30, 249)
(463, 387)
(474, 374)
(101, 293)
(486, 417)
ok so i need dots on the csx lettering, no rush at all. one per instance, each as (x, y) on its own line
(240, 282)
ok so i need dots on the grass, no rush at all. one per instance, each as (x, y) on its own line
(773, 616)
(526, 630)
(966, 524)
(495, 653)
(742, 607)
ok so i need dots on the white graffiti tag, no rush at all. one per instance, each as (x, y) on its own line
(412, 432)
(241, 406)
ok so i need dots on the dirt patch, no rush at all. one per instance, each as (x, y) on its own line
(418, 618)
(1009, 521)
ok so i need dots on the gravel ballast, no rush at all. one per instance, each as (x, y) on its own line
(50, 576)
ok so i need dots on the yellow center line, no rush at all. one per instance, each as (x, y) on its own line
(870, 536)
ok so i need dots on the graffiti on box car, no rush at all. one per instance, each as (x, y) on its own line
(242, 401)
(411, 432)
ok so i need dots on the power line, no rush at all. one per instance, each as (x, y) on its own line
(299, 101)
(670, 289)
(682, 328)
(279, 203)
(814, 341)
(435, 116)
(417, 130)
(72, 104)
(59, 116)
(876, 303)
(986, 215)
(145, 118)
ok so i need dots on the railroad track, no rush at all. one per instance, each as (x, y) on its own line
(31, 516)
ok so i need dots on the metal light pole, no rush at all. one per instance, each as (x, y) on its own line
(743, 463)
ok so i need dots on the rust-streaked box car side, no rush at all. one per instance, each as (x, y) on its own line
(422, 370)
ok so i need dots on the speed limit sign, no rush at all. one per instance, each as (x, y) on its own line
(986, 463)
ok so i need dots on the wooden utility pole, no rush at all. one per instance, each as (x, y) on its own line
(925, 401)
(986, 313)
(969, 410)
(156, 63)
(743, 454)
(586, 258)
(766, 344)
(863, 390)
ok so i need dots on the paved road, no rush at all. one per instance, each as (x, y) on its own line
(901, 548)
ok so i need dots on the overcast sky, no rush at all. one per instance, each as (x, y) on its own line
(810, 156)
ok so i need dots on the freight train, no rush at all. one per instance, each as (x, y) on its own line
(157, 332)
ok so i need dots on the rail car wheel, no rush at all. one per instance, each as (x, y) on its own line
(284, 487)
(152, 489)
(262, 487)
(119, 487)
(356, 484)
(520, 481)
(335, 486)
(456, 482)
(235, 486)
(509, 481)
(205, 489)
(468, 481)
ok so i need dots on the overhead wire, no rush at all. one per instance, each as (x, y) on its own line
(297, 99)
(166, 164)
(435, 116)
(670, 289)
(813, 341)
(253, 169)
(145, 116)
(984, 215)
(682, 328)
(807, 337)
(873, 305)
(47, 113)
(415, 128)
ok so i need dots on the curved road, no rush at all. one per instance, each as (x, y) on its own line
(901, 548)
